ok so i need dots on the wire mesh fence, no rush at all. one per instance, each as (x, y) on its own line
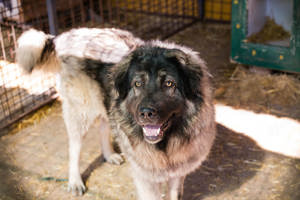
(147, 19)
(21, 94)
(217, 10)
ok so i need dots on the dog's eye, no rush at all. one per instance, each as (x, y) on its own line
(169, 83)
(138, 84)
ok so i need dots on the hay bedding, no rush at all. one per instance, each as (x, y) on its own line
(270, 32)
(31, 119)
(272, 93)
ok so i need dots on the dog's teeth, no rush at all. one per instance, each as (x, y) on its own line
(151, 131)
(158, 130)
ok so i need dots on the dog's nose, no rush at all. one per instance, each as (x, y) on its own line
(147, 113)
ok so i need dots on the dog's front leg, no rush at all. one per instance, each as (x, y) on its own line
(106, 145)
(175, 188)
(146, 190)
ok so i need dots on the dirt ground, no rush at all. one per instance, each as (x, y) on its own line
(34, 160)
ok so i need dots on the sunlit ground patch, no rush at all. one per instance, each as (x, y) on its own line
(279, 135)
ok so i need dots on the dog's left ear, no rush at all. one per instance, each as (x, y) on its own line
(191, 69)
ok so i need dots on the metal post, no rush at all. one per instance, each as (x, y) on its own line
(201, 8)
(52, 18)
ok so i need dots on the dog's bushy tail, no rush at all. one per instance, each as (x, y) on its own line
(36, 50)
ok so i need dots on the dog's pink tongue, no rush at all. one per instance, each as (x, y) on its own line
(151, 130)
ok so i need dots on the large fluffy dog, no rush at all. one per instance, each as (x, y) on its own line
(159, 101)
(163, 115)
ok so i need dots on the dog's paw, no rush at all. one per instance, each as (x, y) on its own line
(115, 158)
(76, 187)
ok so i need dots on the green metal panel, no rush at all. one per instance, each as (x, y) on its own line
(274, 57)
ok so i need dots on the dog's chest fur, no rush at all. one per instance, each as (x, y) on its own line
(177, 159)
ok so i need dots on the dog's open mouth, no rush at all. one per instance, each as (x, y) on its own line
(155, 133)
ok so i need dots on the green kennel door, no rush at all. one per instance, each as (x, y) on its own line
(266, 33)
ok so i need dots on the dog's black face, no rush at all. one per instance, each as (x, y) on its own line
(155, 89)
(154, 99)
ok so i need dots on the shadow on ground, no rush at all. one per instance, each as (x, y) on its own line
(238, 169)
(231, 156)
(10, 187)
(94, 165)
(12, 100)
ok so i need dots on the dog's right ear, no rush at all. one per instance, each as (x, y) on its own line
(191, 71)
(120, 77)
